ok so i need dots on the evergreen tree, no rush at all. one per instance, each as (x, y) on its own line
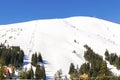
(38, 72)
(98, 65)
(11, 55)
(106, 55)
(40, 58)
(1, 72)
(85, 68)
(34, 59)
(24, 75)
(43, 74)
(72, 68)
(103, 69)
(30, 74)
(117, 64)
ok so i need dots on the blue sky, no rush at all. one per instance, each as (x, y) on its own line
(12, 11)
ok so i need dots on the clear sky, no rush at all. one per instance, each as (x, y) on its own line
(12, 11)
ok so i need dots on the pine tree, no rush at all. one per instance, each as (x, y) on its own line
(42, 73)
(40, 58)
(32, 60)
(38, 72)
(1, 72)
(117, 63)
(30, 74)
(103, 69)
(35, 59)
(24, 74)
(72, 68)
(106, 55)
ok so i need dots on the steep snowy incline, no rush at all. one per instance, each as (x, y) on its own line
(104, 31)
(55, 39)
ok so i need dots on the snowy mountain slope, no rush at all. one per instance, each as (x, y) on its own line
(54, 38)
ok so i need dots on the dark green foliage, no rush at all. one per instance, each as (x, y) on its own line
(103, 69)
(74, 74)
(43, 74)
(85, 68)
(1, 72)
(27, 74)
(113, 59)
(98, 65)
(91, 56)
(40, 72)
(105, 78)
(30, 74)
(32, 60)
(117, 63)
(72, 68)
(39, 58)
(11, 55)
(95, 67)
(36, 58)
(106, 55)
(24, 74)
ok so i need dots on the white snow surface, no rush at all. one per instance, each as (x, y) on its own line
(54, 39)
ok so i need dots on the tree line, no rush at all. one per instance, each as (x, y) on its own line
(39, 73)
(14, 55)
(95, 67)
(36, 58)
(113, 59)
(11, 55)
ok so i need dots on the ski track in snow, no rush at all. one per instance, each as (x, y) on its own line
(54, 38)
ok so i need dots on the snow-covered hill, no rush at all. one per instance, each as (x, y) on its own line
(56, 39)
